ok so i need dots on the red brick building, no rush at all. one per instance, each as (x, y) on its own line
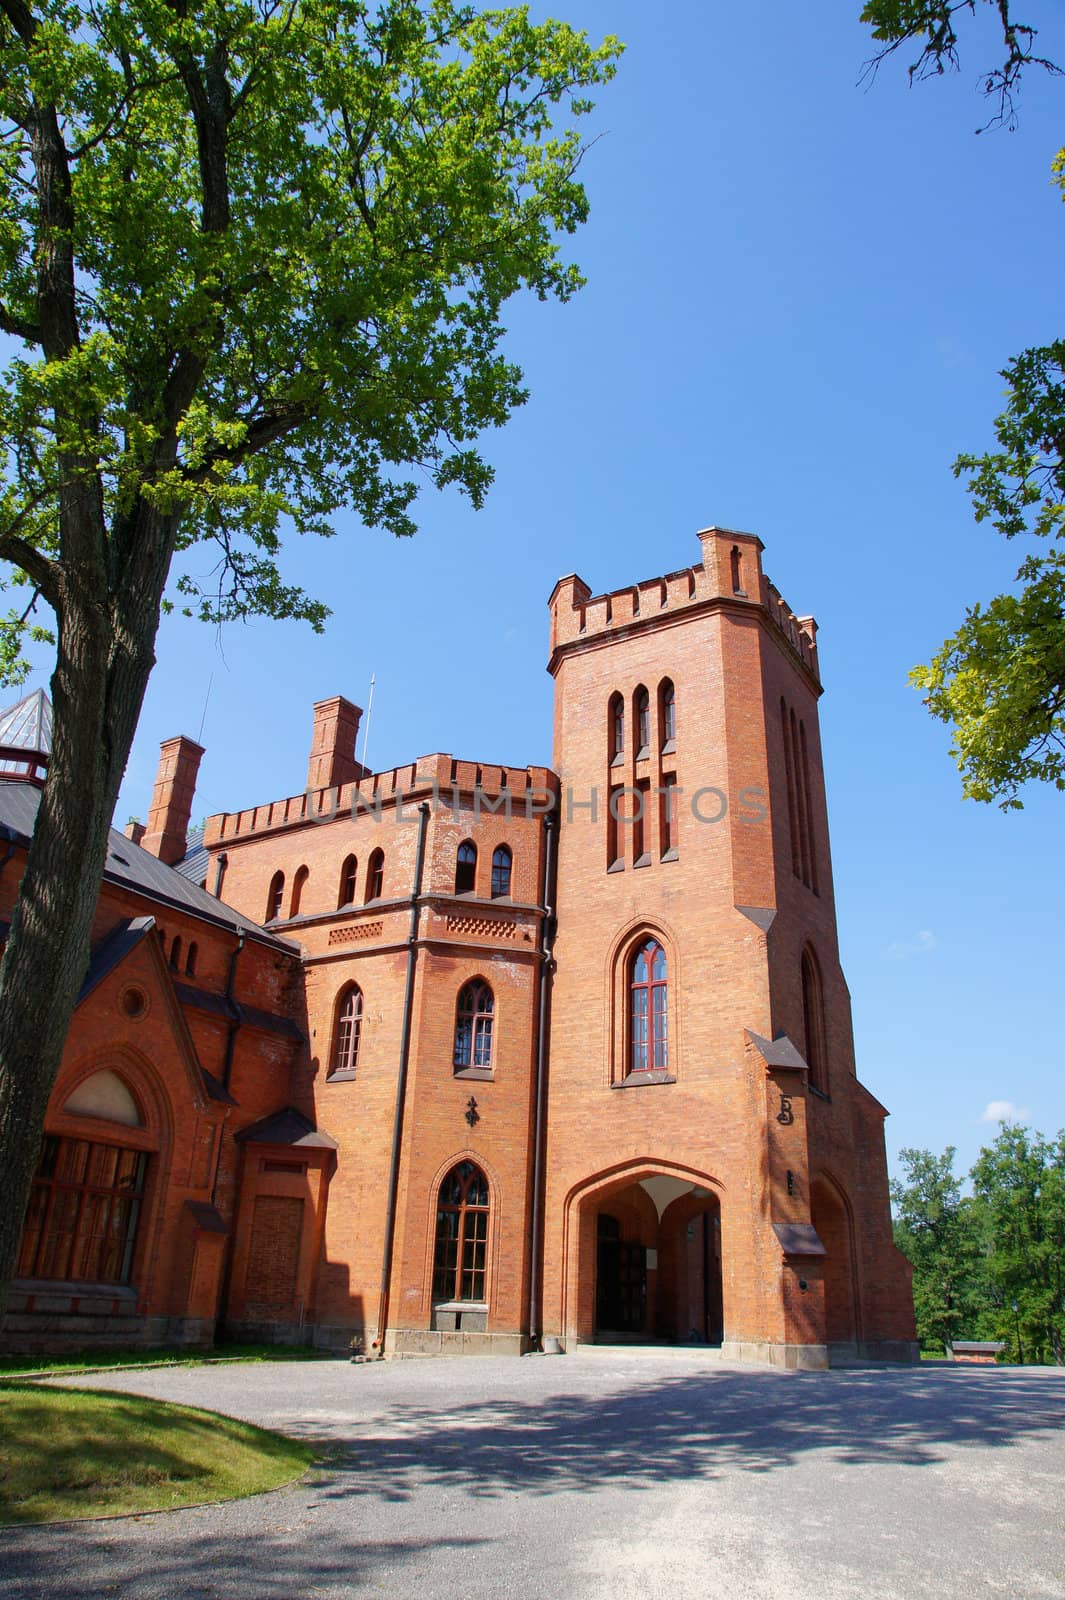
(469, 1055)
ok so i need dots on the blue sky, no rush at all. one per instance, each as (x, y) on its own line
(800, 293)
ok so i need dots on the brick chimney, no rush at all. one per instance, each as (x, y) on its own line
(135, 831)
(336, 728)
(171, 808)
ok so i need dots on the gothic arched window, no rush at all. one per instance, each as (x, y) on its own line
(667, 714)
(460, 1257)
(466, 867)
(298, 882)
(501, 865)
(275, 898)
(642, 718)
(474, 1016)
(648, 1009)
(375, 876)
(616, 728)
(348, 875)
(813, 1021)
(347, 1032)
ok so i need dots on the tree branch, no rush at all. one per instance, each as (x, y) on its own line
(19, 327)
(45, 575)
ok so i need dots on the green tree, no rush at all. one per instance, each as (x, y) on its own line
(938, 1231)
(253, 261)
(999, 681)
(1019, 1184)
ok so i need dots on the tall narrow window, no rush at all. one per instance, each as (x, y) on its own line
(175, 953)
(466, 868)
(737, 571)
(276, 896)
(642, 827)
(298, 882)
(649, 997)
(348, 876)
(668, 816)
(667, 715)
(642, 717)
(501, 864)
(347, 1032)
(375, 876)
(793, 800)
(813, 1019)
(616, 729)
(460, 1257)
(190, 960)
(615, 857)
(811, 845)
(474, 1016)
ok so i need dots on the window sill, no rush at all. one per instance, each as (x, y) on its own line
(820, 1094)
(636, 1080)
(460, 1305)
(477, 1074)
(672, 855)
(341, 1077)
(619, 760)
(618, 865)
(643, 861)
(644, 753)
(670, 747)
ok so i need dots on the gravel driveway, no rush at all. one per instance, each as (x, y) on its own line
(603, 1475)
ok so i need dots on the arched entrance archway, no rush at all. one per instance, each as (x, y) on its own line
(647, 1263)
(830, 1214)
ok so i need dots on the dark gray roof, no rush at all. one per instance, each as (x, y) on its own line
(206, 1217)
(778, 1052)
(196, 860)
(112, 951)
(799, 1239)
(137, 869)
(221, 1005)
(288, 1127)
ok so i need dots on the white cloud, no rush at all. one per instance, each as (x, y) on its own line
(918, 945)
(1004, 1111)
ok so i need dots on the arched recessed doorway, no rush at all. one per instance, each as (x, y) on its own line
(830, 1214)
(653, 1246)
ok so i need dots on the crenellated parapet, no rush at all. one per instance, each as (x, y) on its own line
(437, 777)
(730, 573)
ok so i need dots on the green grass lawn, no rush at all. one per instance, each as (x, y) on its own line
(100, 1360)
(76, 1453)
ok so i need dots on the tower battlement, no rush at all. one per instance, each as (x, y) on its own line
(428, 776)
(730, 573)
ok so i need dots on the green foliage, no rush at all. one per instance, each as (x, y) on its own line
(939, 1232)
(1019, 1185)
(290, 227)
(999, 681)
(990, 1265)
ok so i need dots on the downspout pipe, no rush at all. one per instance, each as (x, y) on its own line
(401, 1084)
(547, 968)
(234, 1016)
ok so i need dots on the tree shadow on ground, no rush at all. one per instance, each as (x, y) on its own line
(691, 1427)
(428, 1460)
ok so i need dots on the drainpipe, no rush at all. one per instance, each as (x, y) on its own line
(547, 967)
(401, 1084)
(234, 1019)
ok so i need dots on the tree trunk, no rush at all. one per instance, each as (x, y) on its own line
(105, 653)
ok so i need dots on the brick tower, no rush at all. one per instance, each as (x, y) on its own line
(715, 1171)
